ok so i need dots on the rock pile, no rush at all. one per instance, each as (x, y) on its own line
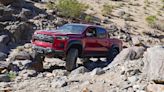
(133, 70)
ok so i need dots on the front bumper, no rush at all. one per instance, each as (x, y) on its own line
(48, 51)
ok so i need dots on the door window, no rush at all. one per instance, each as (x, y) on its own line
(91, 32)
(101, 33)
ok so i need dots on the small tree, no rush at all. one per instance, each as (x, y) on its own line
(88, 18)
(70, 8)
(151, 20)
(107, 9)
(50, 5)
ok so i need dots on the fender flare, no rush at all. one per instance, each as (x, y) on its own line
(74, 42)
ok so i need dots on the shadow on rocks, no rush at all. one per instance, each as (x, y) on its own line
(91, 65)
(53, 68)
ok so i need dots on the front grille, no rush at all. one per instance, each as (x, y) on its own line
(43, 38)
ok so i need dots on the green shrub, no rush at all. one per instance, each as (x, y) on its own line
(155, 23)
(151, 20)
(12, 75)
(50, 5)
(70, 8)
(107, 9)
(88, 18)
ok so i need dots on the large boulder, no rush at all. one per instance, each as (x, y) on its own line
(154, 63)
(128, 54)
(6, 14)
(4, 78)
(20, 55)
(21, 58)
(21, 31)
(155, 88)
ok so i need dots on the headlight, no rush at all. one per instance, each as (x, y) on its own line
(62, 37)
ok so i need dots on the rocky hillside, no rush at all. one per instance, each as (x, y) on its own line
(138, 68)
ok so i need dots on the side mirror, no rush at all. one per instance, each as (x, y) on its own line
(89, 34)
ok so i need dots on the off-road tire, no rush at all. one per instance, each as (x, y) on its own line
(112, 54)
(71, 59)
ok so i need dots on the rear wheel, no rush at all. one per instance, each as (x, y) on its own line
(112, 54)
(71, 59)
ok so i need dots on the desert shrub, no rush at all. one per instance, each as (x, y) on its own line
(88, 18)
(50, 5)
(155, 23)
(151, 20)
(70, 8)
(107, 9)
(12, 75)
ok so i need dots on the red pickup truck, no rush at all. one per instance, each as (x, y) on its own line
(71, 41)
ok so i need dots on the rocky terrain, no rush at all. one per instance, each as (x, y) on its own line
(138, 68)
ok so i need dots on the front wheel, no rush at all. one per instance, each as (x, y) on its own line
(71, 59)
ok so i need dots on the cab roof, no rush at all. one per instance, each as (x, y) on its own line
(86, 25)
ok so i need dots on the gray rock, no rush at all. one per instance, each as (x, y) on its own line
(4, 48)
(20, 31)
(3, 65)
(127, 54)
(4, 84)
(121, 13)
(154, 63)
(28, 73)
(28, 46)
(4, 39)
(26, 14)
(59, 82)
(4, 78)
(3, 56)
(59, 72)
(97, 71)
(80, 70)
(154, 88)
(6, 14)
(133, 79)
(136, 41)
(21, 55)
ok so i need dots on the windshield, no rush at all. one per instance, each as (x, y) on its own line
(71, 29)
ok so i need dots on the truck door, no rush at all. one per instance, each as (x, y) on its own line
(102, 40)
(90, 41)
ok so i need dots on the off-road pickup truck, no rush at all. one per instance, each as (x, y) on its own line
(71, 41)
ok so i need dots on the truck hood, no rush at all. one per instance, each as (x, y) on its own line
(57, 33)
